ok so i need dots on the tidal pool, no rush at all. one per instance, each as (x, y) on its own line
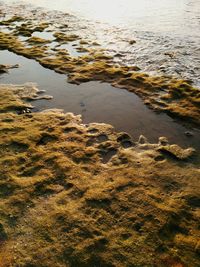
(97, 102)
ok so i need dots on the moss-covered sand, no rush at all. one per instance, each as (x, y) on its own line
(175, 97)
(83, 195)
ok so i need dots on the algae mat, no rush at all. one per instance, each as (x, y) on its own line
(84, 195)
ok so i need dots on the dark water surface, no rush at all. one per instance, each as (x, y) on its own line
(97, 102)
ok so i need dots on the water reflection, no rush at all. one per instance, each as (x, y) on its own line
(155, 15)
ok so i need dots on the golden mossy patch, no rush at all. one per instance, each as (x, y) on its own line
(37, 41)
(83, 195)
(26, 29)
(64, 38)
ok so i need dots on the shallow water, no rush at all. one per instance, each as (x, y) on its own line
(97, 102)
(160, 27)
(158, 15)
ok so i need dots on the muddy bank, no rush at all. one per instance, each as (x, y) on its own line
(82, 195)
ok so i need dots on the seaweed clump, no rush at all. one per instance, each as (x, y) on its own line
(37, 41)
(27, 29)
(11, 43)
(64, 38)
(85, 195)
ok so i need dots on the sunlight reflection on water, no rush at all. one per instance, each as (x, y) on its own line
(156, 15)
(159, 27)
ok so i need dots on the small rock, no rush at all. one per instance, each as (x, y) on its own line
(131, 42)
(82, 104)
(189, 134)
(119, 55)
(170, 54)
(142, 139)
(163, 141)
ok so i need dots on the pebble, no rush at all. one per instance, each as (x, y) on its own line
(189, 134)
(131, 42)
